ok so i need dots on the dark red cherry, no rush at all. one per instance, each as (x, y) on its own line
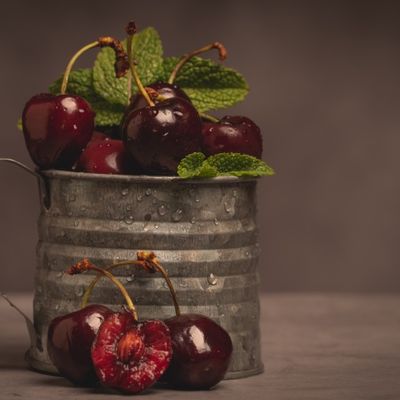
(232, 134)
(166, 90)
(57, 129)
(131, 356)
(69, 341)
(159, 136)
(105, 156)
(202, 351)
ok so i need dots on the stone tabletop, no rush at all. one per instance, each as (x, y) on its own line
(315, 346)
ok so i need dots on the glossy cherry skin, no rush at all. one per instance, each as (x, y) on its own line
(232, 134)
(159, 137)
(166, 90)
(105, 156)
(69, 341)
(202, 351)
(57, 129)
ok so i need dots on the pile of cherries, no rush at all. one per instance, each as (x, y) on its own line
(160, 126)
(97, 345)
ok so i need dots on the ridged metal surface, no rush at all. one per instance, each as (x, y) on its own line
(203, 232)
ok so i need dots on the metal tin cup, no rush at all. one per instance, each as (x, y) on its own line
(204, 232)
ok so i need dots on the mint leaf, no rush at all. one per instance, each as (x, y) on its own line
(147, 50)
(237, 164)
(81, 84)
(209, 85)
(195, 166)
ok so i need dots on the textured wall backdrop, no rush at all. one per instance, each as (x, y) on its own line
(325, 90)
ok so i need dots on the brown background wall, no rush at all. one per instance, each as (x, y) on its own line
(325, 78)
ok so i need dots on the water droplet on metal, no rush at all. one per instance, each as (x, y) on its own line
(197, 200)
(177, 215)
(156, 226)
(83, 208)
(139, 197)
(57, 307)
(234, 193)
(247, 254)
(128, 208)
(227, 207)
(60, 274)
(79, 291)
(193, 220)
(124, 192)
(129, 220)
(162, 210)
(216, 222)
(76, 222)
(147, 217)
(212, 279)
(130, 278)
(147, 192)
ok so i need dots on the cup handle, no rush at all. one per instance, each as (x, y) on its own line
(43, 188)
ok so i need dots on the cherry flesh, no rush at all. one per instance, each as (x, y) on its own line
(69, 341)
(159, 136)
(105, 156)
(202, 351)
(57, 129)
(163, 89)
(232, 134)
(128, 355)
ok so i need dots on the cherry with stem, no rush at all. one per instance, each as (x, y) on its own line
(202, 349)
(159, 135)
(127, 355)
(57, 128)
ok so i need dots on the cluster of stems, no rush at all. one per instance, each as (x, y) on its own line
(145, 260)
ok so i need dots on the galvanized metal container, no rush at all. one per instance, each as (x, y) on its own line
(204, 232)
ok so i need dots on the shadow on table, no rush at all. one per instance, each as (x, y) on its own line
(56, 381)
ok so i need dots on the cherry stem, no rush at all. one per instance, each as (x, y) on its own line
(216, 45)
(148, 262)
(86, 265)
(208, 117)
(121, 58)
(72, 62)
(131, 30)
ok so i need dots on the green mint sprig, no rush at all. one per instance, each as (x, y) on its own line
(209, 84)
(148, 51)
(196, 165)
